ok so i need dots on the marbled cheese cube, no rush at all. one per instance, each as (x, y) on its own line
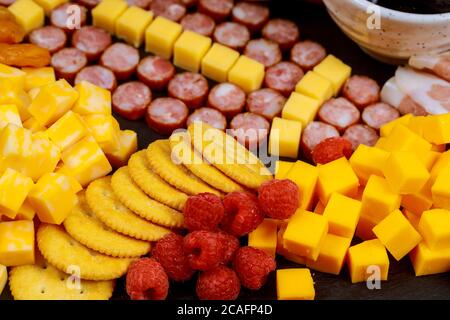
(16, 243)
(189, 50)
(305, 177)
(15, 149)
(264, 237)
(105, 131)
(218, 62)
(45, 156)
(295, 284)
(69, 129)
(14, 188)
(92, 99)
(74, 184)
(365, 258)
(131, 25)
(161, 35)
(426, 261)
(38, 77)
(434, 226)
(315, 86)
(105, 14)
(3, 277)
(343, 215)
(334, 70)
(33, 93)
(282, 168)
(367, 161)
(29, 14)
(248, 74)
(128, 145)
(14, 75)
(284, 138)
(26, 212)
(12, 93)
(49, 5)
(9, 114)
(300, 108)
(436, 129)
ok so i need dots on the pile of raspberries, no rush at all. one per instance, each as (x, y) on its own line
(212, 245)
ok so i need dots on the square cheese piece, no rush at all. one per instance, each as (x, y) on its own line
(434, 226)
(412, 218)
(248, 74)
(305, 177)
(105, 131)
(342, 214)
(281, 250)
(49, 5)
(364, 229)
(161, 35)
(418, 202)
(295, 284)
(105, 14)
(282, 168)
(264, 237)
(13, 75)
(334, 70)
(3, 277)
(218, 61)
(426, 261)
(128, 145)
(367, 259)
(38, 77)
(92, 99)
(13, 93)
(367, 161)
(437, 129)
(440, 191)
(14, 188)
(26, 212)
(131, 25)
(15, 148)
(386, 129)
(300, 108)
(74, 184)
(68, 130)
(16, 243)
(189, 50)
(29, 14)
(315, 86)
(397, 234)
(284, 138)
(403, 139)
(45, 156)
(9, 114)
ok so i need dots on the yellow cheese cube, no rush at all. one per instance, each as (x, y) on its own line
(38, 77)
(305, 234)
(281, 250)
(14, 188)
(334, 70)
(426, 261)
(127, 147)
(315, 86)
(364, 229)
(441, 189)
(161, 35)
(189, 50)
(9, 114)
(105, 14)
(92, 99)
(86, 160)
(305, 177)
(319, 208)
(16, 243)
(434, 226)
(367, 161)
(441, 164)
(14, 76)
(295, 284)
(403, 139)
(69, 129)
(282, 168)
(429, 158)
(45, 156)
(131, 25)
(284, 138)
(387, 128)
(218, 62)
(405, 173)
(53, 101)
(49, 5)
(300, 108)
(416, 124)
(74, 184)
(337, 176)
(342, 214)
(397, 234)
(418, 202)
(3, 277)
(378, 199)
(53, 198)
(12, 93)
(104, 130)
(363, 257)
(26, 212)
(248, 74)
(264, 237)
(332, 255)
(380, 143)
(33, 93)
(436, 129)
(30, 15)
(15, 148)
(412, 218)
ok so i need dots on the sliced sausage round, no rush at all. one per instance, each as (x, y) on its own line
(164, 115)
(51, 38)
(170, 9)
(339, 113)
(189, 3)
(307, 54)
(210, 116)
(131, 99)
(219, 10)
(191, 88)
(68, 62)
(283, 77)
(251, 15)
(228, 98)
(98, 75)
(6, 2)
(232, 34)
(265, 51)
(378, 114)
(361, 134)
(313, 134)
(122, 59)
(155, 72)
(199, 23)
(92, 41)
(60, 16)
(266, 102)
(90, 4)
(144, 4)
(282, 31)
(361, 90)
(249, 129)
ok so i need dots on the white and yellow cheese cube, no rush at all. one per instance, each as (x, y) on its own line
(38, 77)
(13, 75)
(69, 129)
(105, 131)
(14, 188)
(15, 148)
(127, 146)
(92, 99)
(16, 243)
(13, 93)
(3, 277)
(9, 114)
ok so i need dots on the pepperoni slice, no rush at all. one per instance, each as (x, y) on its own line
(61, 15)
(92, 41)
(219, 10)
(120, 58)
(232, 34)
(51, 38)
(210, 116)
(164, 115)
(307, 54)
(265, 51)
(378, 114)
(249, 129)
(339, 113)
(228, 98)
(199, 23)
(131, 99)
(282, 31)
(171, 9)
(90, 4)
(155, 72)
(98, 75)
(144, 4)
(191, 88)
(362, 91)
(283, 77)
(361, 134)
(266, 102)
(68, 62)
(251, 15)
(314, 133)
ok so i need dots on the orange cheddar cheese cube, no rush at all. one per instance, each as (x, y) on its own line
(13, 93)
(418, 202)
(282, 168)
(434, 226)
(426, 261)
(412, 218)
(342, 214)
(319, 208)
(104, 130)
(403, 139)
(387, 128)
(38, 77)
(16, 243)
(66, 131)
(440, 165)
(366, 161)
(364, 229)
(26, 212)
(92, 99)
(416, 124)
(264, 237)
(429, 158)
(305, 177)
(295, 284)
(127, 147)
(436, 129)
(14, 188)
(282, 251)
(9, 114)
(366, 259)
(440, 191)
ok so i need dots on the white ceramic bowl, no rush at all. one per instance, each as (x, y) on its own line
(398, 36)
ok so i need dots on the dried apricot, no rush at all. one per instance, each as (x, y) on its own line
(24, 55)
(11, 31)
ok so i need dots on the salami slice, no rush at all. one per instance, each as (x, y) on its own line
(266, 102)
(131, 99)
(265, 51)
(219, 10)
(249, 129)
(191, 88)
(232, 34)
(314, 133)
(92, 41)
(51, 38)
(282, 31)
(90, 4)
(122, 59)
(68, 62)
(339, 113)
(171, 9)
(307, 54)
(378, 114)
(98, 75)
(60, 16)
(155, 72)
(199, 23)
(283, 77)
(144, 4)
(362, 91)
(361, 134)
(164, 115)
(228, 98)
(251, 15)
(210, 116)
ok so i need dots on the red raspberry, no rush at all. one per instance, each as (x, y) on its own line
(231, 245)
(242, 214)
(253, 266)
(169, 252)
(220, 283)
(146, 280)
(332, 149)
(278, 199)
(204, 250)
(203, 212)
